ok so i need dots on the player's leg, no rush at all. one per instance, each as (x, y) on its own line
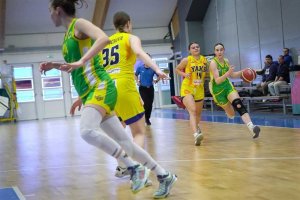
(238, 105)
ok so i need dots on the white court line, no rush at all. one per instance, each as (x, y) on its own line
(18, 192)
(165, 161)
(235, 123)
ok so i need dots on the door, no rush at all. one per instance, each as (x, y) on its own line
(25, 91)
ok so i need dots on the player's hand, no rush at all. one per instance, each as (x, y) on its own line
(230, 71)
(45, 66)
(162, 75)
(69, 67)
(77, 103)
(187, 75)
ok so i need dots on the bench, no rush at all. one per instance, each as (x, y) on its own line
(282, 102)
(267, 101)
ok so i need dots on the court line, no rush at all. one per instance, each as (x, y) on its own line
(18, 192)
(230, 123)
(165, 161)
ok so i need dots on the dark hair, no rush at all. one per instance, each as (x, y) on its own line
(68, 5)
(269, 56)
(288, 50)
(192, 44)
(219, 43)
(281, 56)
(120, 20)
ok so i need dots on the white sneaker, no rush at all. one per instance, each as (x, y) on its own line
(198, 138)
(121, 172)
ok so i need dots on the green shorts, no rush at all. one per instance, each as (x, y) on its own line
(221, 95)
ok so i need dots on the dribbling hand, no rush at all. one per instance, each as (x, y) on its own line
(231, 70)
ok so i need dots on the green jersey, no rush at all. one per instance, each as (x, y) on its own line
(216, 88)
(92, 74)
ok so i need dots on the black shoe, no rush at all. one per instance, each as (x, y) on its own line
(148, 122)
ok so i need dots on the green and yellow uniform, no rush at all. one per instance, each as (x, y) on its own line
(194, 85)
(92, 83)
(221, 91)
(119, 60)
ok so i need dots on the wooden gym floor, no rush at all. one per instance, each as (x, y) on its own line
(47, 160)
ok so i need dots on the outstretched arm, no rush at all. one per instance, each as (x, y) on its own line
(86, 29)
(136, 46)
(214, 70)
(46, 66)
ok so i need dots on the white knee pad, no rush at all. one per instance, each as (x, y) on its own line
(89, 135)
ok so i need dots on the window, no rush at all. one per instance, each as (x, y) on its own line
(52, 85)
(164, 66)
(74, 93)
(24, 84)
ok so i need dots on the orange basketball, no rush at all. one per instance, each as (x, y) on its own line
(248, 75)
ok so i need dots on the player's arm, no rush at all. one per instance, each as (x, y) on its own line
(214, 70)
(85, 29)
(181, 67)
(46, 66)
(136, 47)
(234, 74)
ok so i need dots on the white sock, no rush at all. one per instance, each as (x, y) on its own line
(115, 130)
(129, 134)
(250, 126)
(89, 129)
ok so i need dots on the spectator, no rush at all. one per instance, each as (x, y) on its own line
(144, 77)
(268, 74)
(282, 77)
(287, 58)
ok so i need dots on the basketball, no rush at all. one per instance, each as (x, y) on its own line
(248, 75)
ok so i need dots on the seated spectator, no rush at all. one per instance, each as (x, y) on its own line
(282, 77)
(287, 58)
(268, 74)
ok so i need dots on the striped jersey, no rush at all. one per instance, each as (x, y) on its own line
(92, 73)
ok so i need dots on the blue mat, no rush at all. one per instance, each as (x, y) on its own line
(12, 193)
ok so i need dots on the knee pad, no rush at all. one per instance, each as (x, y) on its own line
(88, 135)
(239, 106)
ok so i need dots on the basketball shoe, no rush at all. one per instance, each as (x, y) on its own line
(139, 177)
(255, 131)
(165, 184)
(121, 172)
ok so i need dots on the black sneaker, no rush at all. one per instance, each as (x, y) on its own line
(255, 132)
(148, 122)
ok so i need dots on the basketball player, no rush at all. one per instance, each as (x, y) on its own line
(81, 46)
(119, 58)
(222, 90)
(193, 69)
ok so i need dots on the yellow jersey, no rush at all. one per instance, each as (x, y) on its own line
(118, 57)
(197, 69)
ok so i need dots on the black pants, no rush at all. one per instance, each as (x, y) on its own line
(147, 94)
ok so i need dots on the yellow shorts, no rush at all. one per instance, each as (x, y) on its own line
(129, 106)
(196, 91)
(105, 95)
